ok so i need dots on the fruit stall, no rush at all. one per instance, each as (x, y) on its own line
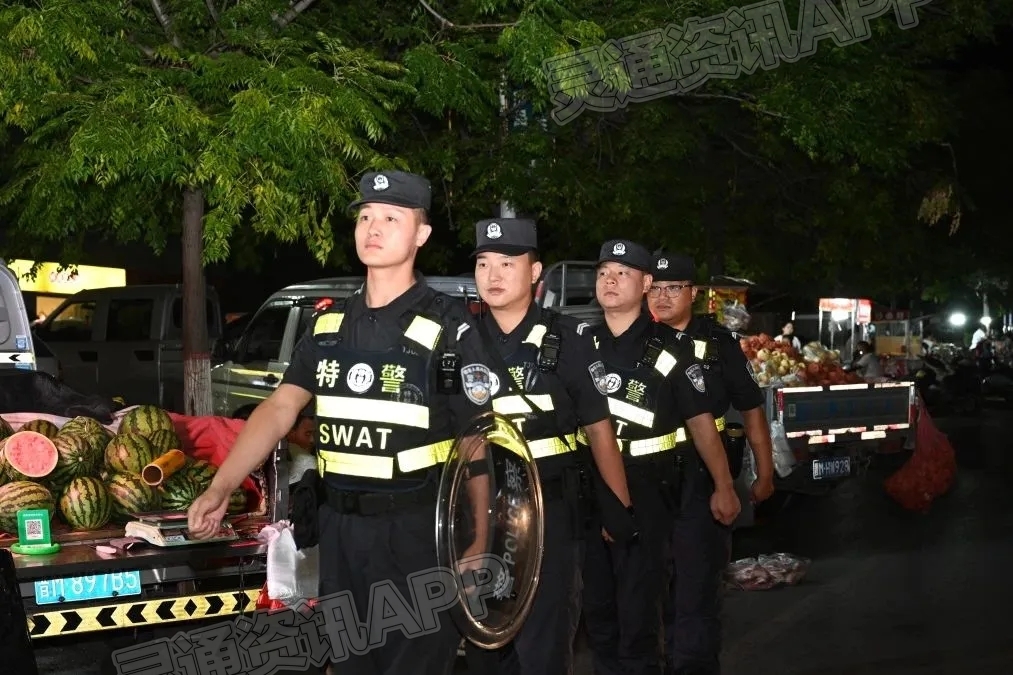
(98, 481)
(829, 417)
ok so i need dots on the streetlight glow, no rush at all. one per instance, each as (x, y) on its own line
(958, 319)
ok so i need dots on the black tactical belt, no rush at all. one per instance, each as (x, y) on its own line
(379, 503)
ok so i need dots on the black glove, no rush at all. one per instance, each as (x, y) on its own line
(618, 520)
(304, 502)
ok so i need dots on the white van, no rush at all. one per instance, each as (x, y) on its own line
(16, 349)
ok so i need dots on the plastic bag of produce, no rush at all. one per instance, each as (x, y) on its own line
(292, 575)
(930, 471)
(785, 568)
(736, 318)
(784, 458)
(749, 575)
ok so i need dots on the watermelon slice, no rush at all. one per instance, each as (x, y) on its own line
(30, 454)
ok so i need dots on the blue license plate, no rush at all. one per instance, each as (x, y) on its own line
(92, 587)
(831, 467)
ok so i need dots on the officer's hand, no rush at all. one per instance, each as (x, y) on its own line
(761, 489)
(606, 536)
(725, 505)
(204, 517)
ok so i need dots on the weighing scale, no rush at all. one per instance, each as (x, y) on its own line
(169, 528)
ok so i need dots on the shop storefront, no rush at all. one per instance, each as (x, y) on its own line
(51, 285)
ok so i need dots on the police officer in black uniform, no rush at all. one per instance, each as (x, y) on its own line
(549, 362)
(658, 399)
(702, 545)
(396, 373)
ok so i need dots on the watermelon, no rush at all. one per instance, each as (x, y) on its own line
(44, 427)
(131, 495)
(164, 440)
(146, 420)
(84, 426)
(237, 501)
(180, 491)
(22, 495)
(86, 504)
(29, 454)
(79, 457)
(201, 471)
(5, 429)
(129, 453)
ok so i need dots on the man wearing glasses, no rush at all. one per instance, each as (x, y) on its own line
(657, 396)
(702, 545)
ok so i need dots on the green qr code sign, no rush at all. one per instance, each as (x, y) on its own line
(34, 530)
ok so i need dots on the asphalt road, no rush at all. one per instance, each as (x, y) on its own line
(888, 592)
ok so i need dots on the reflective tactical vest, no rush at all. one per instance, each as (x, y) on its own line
(706, 347)
(532, 372)
(373, 412)
(644, 412)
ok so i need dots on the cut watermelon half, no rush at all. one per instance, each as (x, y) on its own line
(31, 454)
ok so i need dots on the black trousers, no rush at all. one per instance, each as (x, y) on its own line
(624, 586)
(544, 645)
(361, 554)
(700, 550)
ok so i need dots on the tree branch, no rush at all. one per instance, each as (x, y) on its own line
(212, 10)
(739, 99)
(294, 11)
(445, 23)
(166, 21)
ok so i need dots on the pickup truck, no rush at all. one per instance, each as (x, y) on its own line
(834, 430)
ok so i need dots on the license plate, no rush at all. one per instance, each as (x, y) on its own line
(92, 587)
(831, 467)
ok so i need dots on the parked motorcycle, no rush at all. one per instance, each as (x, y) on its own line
(949, 381)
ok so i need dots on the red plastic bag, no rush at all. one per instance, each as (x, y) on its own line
(211, 439)
(930, 471)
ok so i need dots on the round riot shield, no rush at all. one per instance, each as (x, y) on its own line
(490, 528)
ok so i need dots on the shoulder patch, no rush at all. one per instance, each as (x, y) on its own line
(600, 377)
(582, 326)
(695, 375)
(476, 379)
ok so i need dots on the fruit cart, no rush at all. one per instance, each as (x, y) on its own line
(96, 481)
(831, 419)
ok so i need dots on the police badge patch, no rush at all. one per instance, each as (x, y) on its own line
(477, 381)
(599, 377)
(695, 375)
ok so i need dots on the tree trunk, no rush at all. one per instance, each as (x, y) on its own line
(196, 346)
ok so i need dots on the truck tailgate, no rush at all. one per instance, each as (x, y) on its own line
(866, 409)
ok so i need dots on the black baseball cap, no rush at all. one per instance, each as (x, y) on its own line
(673, 267)
(626, 252)
(398, 188)
(509, 236)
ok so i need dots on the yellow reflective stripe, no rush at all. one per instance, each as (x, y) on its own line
(424, 331)
(650, 446)
(720, 423)
(700, 348)
(340, 408)
(681, 436)
(535, 336)
(349, 464)
(372, 466)
(582, 437)
(547, 447)
(328, 323)
(515, 405)
(631, 413)
(665, 363)
(424, 457)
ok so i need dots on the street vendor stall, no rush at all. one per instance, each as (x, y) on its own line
(95, 517)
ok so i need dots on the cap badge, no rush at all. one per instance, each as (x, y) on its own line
(380, 183)
(493, 231)
(663, 264)
(619, 249)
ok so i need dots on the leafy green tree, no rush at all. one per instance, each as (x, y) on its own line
(149, 120)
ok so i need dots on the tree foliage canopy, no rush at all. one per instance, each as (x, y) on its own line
(837, 169)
